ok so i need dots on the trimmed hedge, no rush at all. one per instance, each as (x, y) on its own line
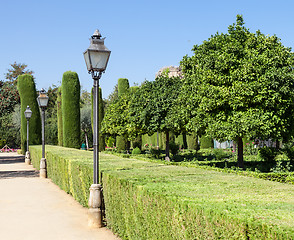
(147, 200)
(71, 109)
(122, 86)
(206, 142)
(121, 143)
(28, 97)
(68, 168)
(192, 141)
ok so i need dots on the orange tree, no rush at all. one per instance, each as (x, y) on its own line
(239, 84)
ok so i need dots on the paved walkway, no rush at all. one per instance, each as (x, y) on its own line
(33, 208)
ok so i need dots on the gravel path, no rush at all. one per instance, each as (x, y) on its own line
(33, 208)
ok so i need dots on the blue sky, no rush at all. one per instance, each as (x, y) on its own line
(50, 36)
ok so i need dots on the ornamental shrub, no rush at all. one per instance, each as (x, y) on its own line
(289, 151)
(137, 142)
(28, 97)
(123, 86)
(206, 142)
(192, 141)
(59, 118)
(268, 153)
(121, 143)
(110, 142)
(155, 153)
(2, 143)
(71, 109)
(136, 151)
(174, 147)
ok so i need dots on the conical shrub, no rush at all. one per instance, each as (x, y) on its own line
(28, 97)
(70, 99)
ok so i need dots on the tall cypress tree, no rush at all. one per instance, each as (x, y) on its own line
(71, 109)
(28, 97)
(192, 141)
(59, 118)
(123, 86)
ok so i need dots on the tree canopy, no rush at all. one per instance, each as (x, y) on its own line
(152, 106)
(9, 95)
(16, 70)
(117, 116)
(239, 84)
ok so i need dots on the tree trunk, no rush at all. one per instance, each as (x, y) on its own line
(128, 146)
(240, 153)
(277, 144)
(234, 146)
(185, 145)
(167, 146)
(87, 144)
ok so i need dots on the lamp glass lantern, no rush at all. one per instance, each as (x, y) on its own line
(28, 113)
(97, 54)
(42, 99)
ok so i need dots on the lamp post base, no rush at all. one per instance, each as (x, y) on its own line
(28, 158)
(43, 168)
(95, 213)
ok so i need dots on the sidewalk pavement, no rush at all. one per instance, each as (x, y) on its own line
(34, 208)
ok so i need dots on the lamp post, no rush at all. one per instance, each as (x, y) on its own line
(28, 115)
(43, 102)
(96, 58)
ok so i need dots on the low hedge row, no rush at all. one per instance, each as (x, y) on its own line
(282, 177)
(148, 200)
(68, 168)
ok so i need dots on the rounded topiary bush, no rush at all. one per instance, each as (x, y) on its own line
(28, 97)
(136, 151)
(70, 98)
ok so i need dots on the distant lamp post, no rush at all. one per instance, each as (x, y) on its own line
(96, 58)
(43, 102)
(28, 115)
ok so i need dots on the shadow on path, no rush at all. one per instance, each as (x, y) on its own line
(12, 171)
(11, 159)
(14, 174)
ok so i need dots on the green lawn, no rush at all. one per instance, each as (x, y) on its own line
(231, 194)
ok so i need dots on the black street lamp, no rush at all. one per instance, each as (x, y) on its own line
(96, 58)
(43, 102)
(28, 115)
